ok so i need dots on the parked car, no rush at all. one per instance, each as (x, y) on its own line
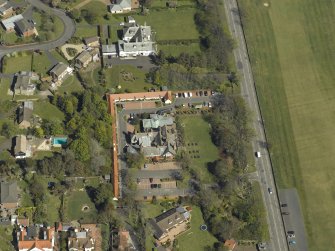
(290, 232)
(209, 104)
(205, 93)
(285, 213)
(200, 93)
(284, 205)
(185, 95)
(292, 242)
(270, 190)
(291, 236)
(258, 154)
(190, 94)
(176, 95)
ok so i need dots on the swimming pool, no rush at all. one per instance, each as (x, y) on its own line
(59, 141)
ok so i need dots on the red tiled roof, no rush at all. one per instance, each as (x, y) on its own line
(29, 244)
(230, 244)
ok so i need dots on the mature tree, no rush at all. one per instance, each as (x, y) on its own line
(135, 160)
(8, 130)
(81, 149)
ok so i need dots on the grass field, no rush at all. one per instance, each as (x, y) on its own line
(74, 204)
(116, 76)
(71, 84)
(48, 111)
(41, 63)
(4, 86)
(197, 138)
(196, 239)
(171, 24)
(291, 44)
(11, 64)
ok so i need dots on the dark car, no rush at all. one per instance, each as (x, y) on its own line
(285, 213)
(290, 232)
(284, 205)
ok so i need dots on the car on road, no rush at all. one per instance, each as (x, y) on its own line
(261, 246)
(258, 154)
(270, 190)
(290, 232)
(292, 242)
(291, 236)
(285, 213)
(284, 205)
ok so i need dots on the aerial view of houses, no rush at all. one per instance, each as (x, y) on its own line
(147, 125)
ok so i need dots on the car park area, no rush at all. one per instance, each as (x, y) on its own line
(293, 219)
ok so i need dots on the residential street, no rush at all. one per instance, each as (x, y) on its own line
(277, 234)
(69, 29)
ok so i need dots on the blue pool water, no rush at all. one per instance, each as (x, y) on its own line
(59, 141)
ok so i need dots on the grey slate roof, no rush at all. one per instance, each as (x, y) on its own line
(59, 68)
(23, 26)
(9, 23)
(84, 57)
(26, 111)
(9, 192)
(120, 5)
(156, 121)
(23, 82)
(20, 144)
(167, 220)
(109, 48)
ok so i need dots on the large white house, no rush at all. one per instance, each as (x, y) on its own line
(136, 41)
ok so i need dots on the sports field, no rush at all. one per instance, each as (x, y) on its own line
(291, 44)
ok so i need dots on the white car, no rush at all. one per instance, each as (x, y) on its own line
(291, 236)
(270, 190)
(258, 154)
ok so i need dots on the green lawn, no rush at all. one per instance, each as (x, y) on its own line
(6, 237)
(197, 138)
(196, 239)
(84, 31)
(162, 3)
(116, 76)
(101, 10)
(57, 56)
(19, 62)
(41, 63)
(291, 44)
(71, 84)
(176, 50)
(47, 111)
(171, 24)
(4, 86)
(74, 204)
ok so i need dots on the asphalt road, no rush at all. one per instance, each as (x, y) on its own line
(69, 30)
(277, 240)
